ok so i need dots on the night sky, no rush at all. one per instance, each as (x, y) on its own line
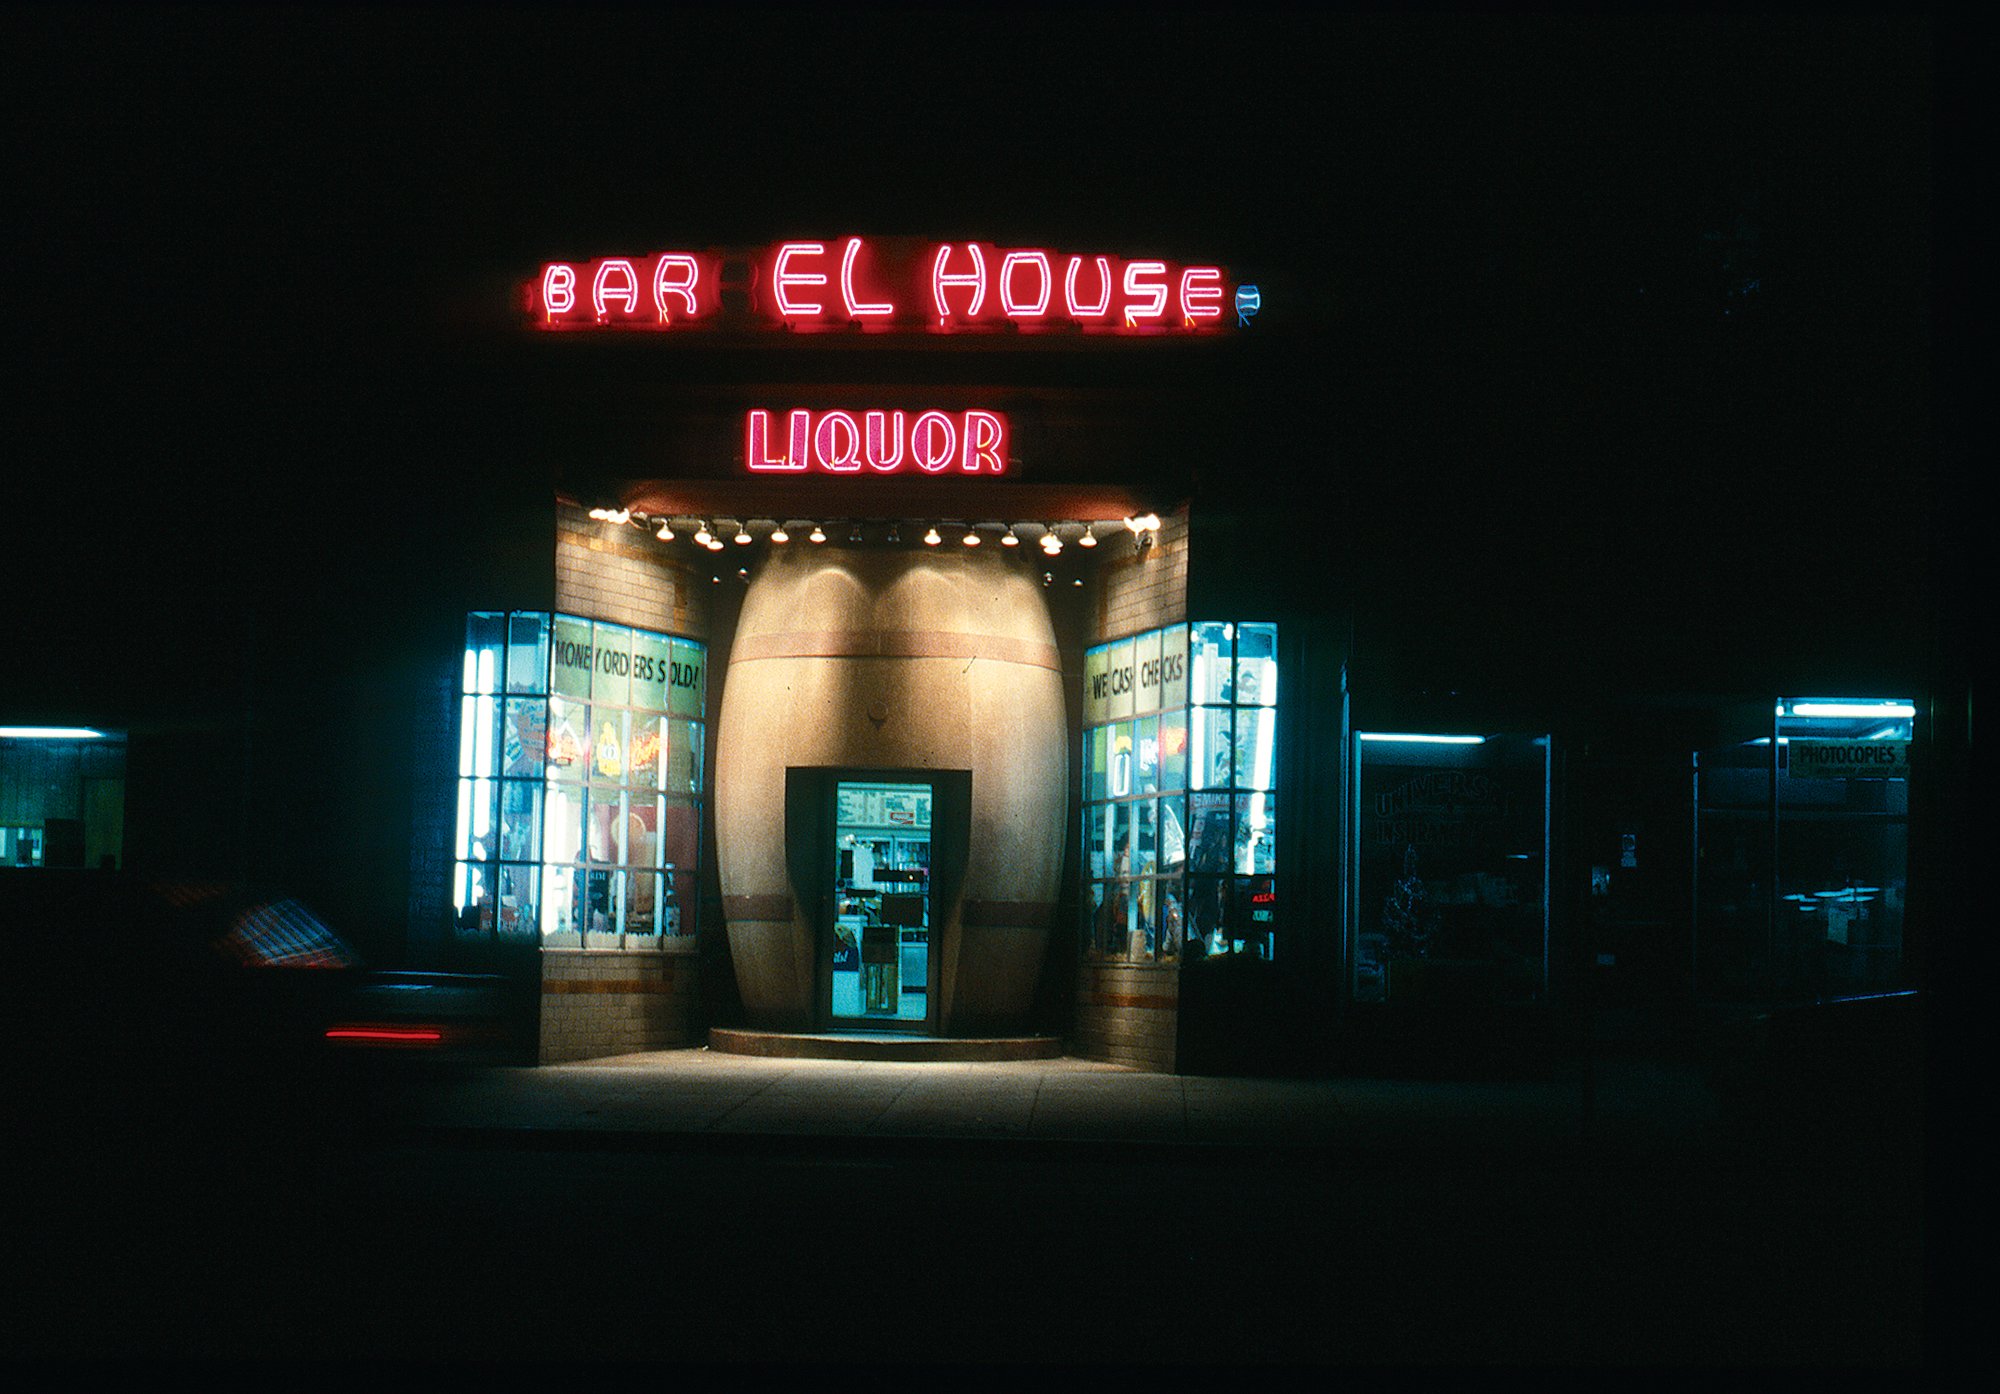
(1594, 303)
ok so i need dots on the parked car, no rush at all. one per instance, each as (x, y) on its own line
(166, 1005)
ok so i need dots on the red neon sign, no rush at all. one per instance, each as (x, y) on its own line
(882, 285)
(881, 442)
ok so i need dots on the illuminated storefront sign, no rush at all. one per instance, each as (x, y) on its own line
(889, 284)
(884, 442)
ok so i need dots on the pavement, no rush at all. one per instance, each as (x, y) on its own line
(1640, 1108)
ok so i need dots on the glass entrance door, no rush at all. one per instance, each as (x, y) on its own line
(881, 903)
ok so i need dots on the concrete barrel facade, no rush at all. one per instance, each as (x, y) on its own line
(895, 660)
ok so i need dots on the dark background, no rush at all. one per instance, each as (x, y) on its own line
(1607, 347)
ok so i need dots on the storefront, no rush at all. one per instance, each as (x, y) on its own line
(921, 654)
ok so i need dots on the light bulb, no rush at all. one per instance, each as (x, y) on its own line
(931, 538)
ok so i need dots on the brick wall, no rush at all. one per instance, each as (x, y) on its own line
(1128, 1013)
(598, 1002)
(619, 573)
(1134, 591)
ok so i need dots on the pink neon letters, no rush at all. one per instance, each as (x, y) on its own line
(883, 284)
(972, 442)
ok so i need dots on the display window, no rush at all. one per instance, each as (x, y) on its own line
(580, 790)
(1180, 801)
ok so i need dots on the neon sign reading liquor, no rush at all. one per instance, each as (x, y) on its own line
(886, 285)
(884, 442)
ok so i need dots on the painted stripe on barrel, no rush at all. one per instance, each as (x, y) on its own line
(895, 643)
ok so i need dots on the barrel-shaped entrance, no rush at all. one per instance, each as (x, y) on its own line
(863, 660)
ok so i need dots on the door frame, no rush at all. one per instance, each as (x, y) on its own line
(811, 794)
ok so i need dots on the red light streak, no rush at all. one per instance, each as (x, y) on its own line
(413, 1035)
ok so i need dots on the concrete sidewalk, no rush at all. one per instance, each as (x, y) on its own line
(1634, 1107)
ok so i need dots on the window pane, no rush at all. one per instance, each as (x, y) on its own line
(611, 679)
(1212, 663)
(607, 826)
(1255, 833)
(520, 821)
(483, 636)
(677, 905)
(1173, 835)
(687, 690)
(1125, 825)
(1144, 921)
(1173, 667)
(1173, 750)
(1096, 685)
(1097, 745)
(642, 904)
(478, 736)
(527, 653)
(1256, 665)
(1210, 834)
(1146, 669)
(1119, 677)
(646, 756)
(1256, 909)
(651, 659)
(472, 897)
(1172, 920)
(477, 819)
(1146, 736)
(684, 756)
(1097, 826)
(607, 745)
(518, 887)
(642, 829)
(1119, 760)
(562, 824)
(1206, 917)
(1256, 748)
(1209, 765)
(1145, 836)
(562, 903)
(524, 743)
(570, 662)
(600, 902)
(680, 836)
(569, 739)
(1096, 900)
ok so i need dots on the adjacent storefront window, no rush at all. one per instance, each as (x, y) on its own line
(580, 781)
(1180, 791)
(1802, 852)
(1450, 868)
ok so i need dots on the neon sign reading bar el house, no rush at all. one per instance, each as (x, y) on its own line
(883, 285)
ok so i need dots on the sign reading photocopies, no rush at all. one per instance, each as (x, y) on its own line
(1848, 759)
